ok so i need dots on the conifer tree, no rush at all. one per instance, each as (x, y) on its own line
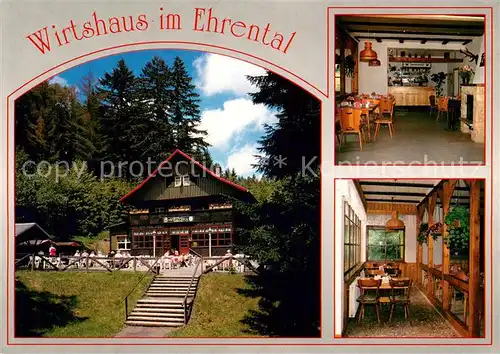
(185, 112)
(154, 91)
(282, 233)
(124, 120)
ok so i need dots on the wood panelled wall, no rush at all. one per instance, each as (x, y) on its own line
(388, 208)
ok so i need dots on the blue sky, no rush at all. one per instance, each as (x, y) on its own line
(234, 124)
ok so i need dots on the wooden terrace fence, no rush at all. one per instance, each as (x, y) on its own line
(89, 263)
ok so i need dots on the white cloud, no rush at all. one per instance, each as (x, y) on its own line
(59, 80)
(242, 159)
(221, 74)
(235, 118)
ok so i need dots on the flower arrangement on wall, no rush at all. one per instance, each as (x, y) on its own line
(466, 73)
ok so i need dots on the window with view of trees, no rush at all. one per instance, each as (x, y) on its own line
(352, 238)
(385, 245)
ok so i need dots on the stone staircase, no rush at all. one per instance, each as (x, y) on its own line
(162, 304)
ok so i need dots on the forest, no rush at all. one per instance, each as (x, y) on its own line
(124, 117)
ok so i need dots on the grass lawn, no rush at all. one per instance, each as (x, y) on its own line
(74, 304)
(219, 308)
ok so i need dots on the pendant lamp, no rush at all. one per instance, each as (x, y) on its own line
(394, 223)
(368, 53)
(374, 62)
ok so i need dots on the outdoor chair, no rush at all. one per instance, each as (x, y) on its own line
(369, 295)
(400, 294)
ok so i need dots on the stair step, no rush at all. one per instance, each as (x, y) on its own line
(185, 286)
(178, 293)
(173, 281)
(158, 315)
(160, 302)
(159, 309)
(153, 323)
(155, 294)
(155, 319)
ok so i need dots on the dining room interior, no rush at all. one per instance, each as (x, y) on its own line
(410, 89)
(413, 258)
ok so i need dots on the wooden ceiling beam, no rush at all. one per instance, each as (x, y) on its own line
(395, 184)
(360, 192)
(406, 201)
(422, 32)
(423, 41)
(407, 194)
(446, 41)
(441, 39)
(467, 42)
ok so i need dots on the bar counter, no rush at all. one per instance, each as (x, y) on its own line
(411, 95)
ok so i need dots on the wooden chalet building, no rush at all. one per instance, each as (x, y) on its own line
(181, 205)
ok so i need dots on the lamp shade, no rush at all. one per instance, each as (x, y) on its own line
(394, 222)
(374, 62)
(368, 53)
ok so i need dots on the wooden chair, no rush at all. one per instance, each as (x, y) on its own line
(442, 106)
(393, 272)
(371, 265)
(386, 106)
(350, 123)
(370, 273)
(400, 294)
(432, 104)
(369, 295)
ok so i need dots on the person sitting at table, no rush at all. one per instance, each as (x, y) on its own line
(166, 260)
(118, 259)
(91, 255)
(52, 251)
(176, 259)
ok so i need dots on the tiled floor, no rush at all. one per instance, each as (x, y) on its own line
(418, 139)
(426, 322)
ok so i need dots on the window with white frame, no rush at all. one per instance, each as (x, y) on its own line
(122, 243)
(182, 180)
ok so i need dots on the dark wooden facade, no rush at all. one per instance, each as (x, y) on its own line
(181, 206)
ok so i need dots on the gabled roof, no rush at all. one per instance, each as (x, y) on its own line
(187, 157)
(21, 228)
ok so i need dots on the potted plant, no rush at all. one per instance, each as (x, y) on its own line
(457, 222)
(349, 65)
(439, 79)
(422, 234)
(435, 230)
(466, 74)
